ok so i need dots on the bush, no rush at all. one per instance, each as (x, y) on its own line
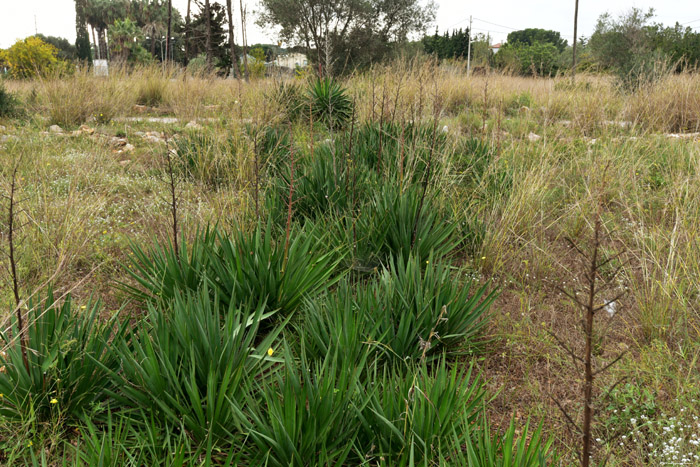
(31, 57)
(69, 358)
(420, 310)
(310, 414)
(253, 265)
(385, 227)
(240, 266)
(330, 103)
(411, 416)
(189, 362)
(203, 156)
(9, 104)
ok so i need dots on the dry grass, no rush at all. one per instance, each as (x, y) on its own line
(87, 201)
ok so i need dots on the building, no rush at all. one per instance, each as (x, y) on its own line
(496, 47)
(292, 60)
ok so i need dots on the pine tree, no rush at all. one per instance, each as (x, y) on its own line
(82, 41)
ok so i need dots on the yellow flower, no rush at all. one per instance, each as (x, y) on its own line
(483, 257)
(2, 395)
(426, 261)
(54, 401)
(270, 351)
(83, 307)
(29, 443)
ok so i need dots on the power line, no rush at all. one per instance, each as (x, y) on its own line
(694, 21)
(494, 24)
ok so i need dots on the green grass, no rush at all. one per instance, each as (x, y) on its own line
(250, 347)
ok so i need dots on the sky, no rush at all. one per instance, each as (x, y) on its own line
(21, 18)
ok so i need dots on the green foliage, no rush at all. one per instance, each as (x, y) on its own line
(205, 157)
(532, 36)
(68, 356)
(330, 103)
(421, 310)
(289, 96)
(412, 415)
(256, 266)
(448, 45)
(528, 448)
(240, 266)
(311, 413)
(189, 361)
(31, 57)
(9, 104)
(160, 272)
(538, 59)
(397, 223)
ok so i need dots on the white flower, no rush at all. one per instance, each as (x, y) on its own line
(611, 308)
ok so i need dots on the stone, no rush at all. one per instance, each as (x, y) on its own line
(533, 137)
(128, 147)
(193, 125)
(55, 129)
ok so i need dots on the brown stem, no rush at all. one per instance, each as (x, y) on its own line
(588, 358)
(173, 199)
(13, 268)
(291, 195)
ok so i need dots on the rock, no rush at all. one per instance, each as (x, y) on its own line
(55, 129)
(2, 128)
(445, 129)
(193, 125)
(533, 137)
(140, 108)
(86, 129)
(128, 147)
(118, 142)
(125, 162)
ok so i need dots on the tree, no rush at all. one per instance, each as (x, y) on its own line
(531, 36)
(360, 31)
(234, 58)
(207, 14)
(30, 57)
(66, 50)
(82, 40)
(124, 38)
(217, 23)
(100, 14)
(624, 46)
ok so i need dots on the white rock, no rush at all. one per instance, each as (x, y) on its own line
(128, 147)
(194, 125)
(533, 137)
(55, 129)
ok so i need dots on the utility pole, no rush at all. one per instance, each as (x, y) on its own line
(573, 69)
(469, 46)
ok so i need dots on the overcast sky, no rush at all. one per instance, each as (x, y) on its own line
(20, 18)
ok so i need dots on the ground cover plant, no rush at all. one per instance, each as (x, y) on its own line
(383, 269)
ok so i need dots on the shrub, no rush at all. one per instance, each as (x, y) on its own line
(289, 96)
(161, 272)
(420, 310)
(151, 89)
(189, 361)
(253, 265)
(330, 103)
(480, 448)
(309, 414)
(385, 227)
(204, 157)
(68, 356)
(9, 104)
(411, 417)
(240, 266)
(31, 57)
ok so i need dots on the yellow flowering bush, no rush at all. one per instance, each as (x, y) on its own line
(31, 57)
